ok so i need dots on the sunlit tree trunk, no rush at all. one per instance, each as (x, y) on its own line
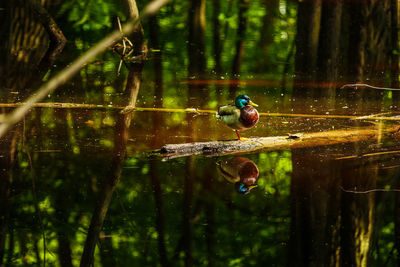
(239, 46)
(357, 212)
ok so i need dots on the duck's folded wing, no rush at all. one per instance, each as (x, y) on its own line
(227, 110)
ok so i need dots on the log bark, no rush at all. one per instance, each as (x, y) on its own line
(301, 140)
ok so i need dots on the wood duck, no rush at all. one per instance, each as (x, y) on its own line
(240, 116)
(240, 171)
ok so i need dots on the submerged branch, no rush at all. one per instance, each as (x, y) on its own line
(59, 79)
(302, 140)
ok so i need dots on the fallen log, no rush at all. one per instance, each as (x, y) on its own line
(293, 141)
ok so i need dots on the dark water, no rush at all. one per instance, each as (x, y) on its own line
(183, 210)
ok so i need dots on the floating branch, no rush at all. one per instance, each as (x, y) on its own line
(368, 86)
(302, 140)
(369, 191)
(369, 155)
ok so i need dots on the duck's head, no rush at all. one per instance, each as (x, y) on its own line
(244, 189)
(243, 100)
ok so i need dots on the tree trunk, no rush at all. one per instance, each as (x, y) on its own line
(357, 212)
(307, 37)
(217, 46)
(196, 45)
(267, 33)
(111, 180)
(328, 49)
(239, 46)
(32, 42)
(196, 49)
(394, 36)
(356, 23)
(378, 45)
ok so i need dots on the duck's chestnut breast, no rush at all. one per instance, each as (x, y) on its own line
(248, 116)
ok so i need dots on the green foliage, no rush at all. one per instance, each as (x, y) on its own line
(92, 15)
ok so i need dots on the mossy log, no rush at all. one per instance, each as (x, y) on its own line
(293, 141)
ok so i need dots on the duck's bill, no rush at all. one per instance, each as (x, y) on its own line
(252, 186)
(252, 103)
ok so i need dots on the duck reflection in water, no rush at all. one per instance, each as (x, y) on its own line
(240, 171)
